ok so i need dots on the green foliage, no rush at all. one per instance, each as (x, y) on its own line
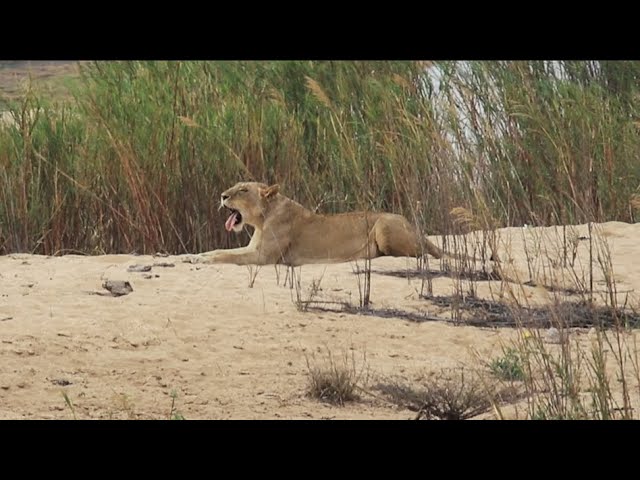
(137, 159)
(508, 367)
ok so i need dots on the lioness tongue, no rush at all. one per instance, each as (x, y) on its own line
(231, 221)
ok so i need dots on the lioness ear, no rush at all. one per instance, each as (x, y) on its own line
(269, 191)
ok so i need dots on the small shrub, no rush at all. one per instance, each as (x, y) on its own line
(449, 395)
(509, 367)
(175, 414)
(334, 381)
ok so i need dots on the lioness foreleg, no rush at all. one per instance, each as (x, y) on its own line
(239, 256)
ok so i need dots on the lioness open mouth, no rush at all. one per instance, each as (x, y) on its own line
(234, 220)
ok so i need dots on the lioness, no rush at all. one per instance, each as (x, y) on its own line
(288, 233)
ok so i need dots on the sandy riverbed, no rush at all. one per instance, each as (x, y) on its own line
(229, 351)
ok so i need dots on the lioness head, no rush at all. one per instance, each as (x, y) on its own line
(247, 202)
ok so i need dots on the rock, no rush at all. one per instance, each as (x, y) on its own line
(63, 382)
(139, 268)
(164, 264)
(117, 287)
(192, 259)
(553, 335)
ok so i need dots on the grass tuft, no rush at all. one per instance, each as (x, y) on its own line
(335, 381)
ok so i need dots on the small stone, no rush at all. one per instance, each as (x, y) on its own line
(117, 287)
(61, 381)
(139, 268)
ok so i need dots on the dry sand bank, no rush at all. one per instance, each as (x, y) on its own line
(230, 351)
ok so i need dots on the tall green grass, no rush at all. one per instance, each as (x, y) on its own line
(137, 160)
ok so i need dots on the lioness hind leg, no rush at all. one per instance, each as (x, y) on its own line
(395, 237)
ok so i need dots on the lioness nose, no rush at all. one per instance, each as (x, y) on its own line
(224, 197)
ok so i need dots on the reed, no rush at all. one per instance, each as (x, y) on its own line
(136, 159)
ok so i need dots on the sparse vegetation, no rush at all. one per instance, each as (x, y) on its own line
(305, 302)
(334, 380)
(508, 367)
(174, 414)
(253, 271)
(122, 407)
(448, 395)
(69, 404)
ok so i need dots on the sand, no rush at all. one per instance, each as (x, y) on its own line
(200, 338)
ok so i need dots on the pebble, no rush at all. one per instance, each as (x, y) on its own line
(117, 287)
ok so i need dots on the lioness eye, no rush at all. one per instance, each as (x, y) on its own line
(243, 190)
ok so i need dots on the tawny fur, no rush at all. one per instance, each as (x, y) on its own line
(290, 234)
